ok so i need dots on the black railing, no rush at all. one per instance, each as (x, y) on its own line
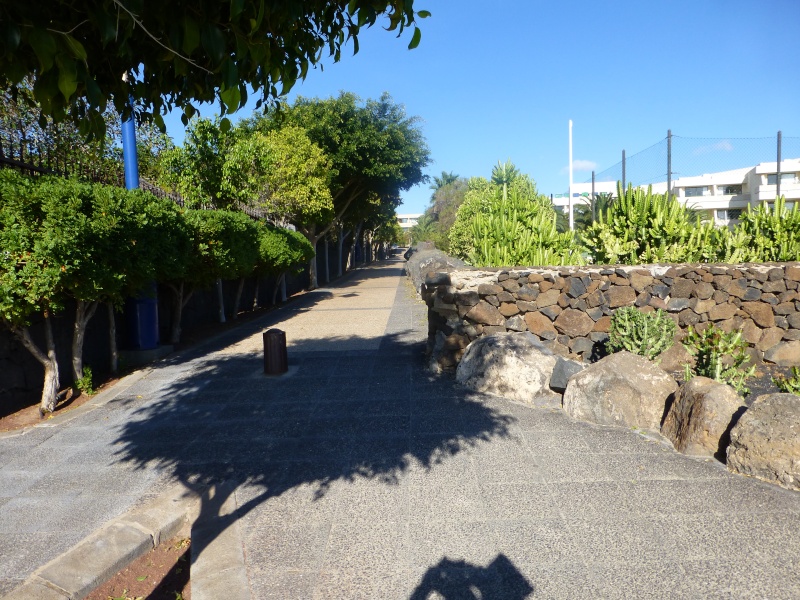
(35, 158)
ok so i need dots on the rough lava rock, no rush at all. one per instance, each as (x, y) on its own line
(699, 420)
(513, 365)
(622, 389)
(564, 369)
(765, 443)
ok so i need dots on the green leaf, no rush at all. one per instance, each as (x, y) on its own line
(76, 49)
(213, 41)
(424, 14)
(230, 97)
(415, 39)
(11, 37)
(236, 8)
(44, 46)
(225, 125)
(191, 35)
(67, 77)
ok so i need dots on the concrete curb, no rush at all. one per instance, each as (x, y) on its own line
(218, 566)
(99, 556)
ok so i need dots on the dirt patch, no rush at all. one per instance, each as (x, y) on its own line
(161, 574)
(30, 416)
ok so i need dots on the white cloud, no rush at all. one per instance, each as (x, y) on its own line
(580, 165)
(722, 146)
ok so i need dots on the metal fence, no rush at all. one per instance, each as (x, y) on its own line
(34, 157)
(678, 156)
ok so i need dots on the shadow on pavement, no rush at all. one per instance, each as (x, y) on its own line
(460, 580)
(338, 416)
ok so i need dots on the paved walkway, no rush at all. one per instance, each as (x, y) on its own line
(358, 475)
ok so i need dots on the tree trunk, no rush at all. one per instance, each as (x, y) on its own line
(255, 294)
(280, 284)
(112, 339)
(221, 301)
(312, 264)
(83, 312)
(179, 301)
(48, 361)
(327, 263)
(341, 249)
(239, 289)
(356, 234)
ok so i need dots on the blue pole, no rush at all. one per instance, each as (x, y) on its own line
(142, 311)
(129, 157)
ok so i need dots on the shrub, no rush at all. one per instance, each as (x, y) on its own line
(646, 334)
(640, 227)
(85, 383)
(509, 224)
(770, 233)
(790, 385)
(282, 250)
(720, 356)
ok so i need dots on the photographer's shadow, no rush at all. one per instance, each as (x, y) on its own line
(460, 580)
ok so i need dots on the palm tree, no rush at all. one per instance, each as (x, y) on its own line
(586, 214)
(440, 182)
(424, 230)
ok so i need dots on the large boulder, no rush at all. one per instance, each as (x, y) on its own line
(700, 418)
(426, 259)
(513, 365)
(622, 389)
(765, 443)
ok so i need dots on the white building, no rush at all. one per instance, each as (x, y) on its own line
(721, 196)
(407, 221)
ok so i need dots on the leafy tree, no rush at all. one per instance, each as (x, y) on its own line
(196, 169)
(389, 233)
(375, 151)
(283, 174)
(280, 251)
(444, 206)
(224, 245)
(38, 233)
(178, 53)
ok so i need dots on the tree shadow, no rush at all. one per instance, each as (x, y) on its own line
(216, 422)
(460, 580)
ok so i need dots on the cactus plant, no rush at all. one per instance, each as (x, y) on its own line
(646, 334)
(790, 385)
(720, 356)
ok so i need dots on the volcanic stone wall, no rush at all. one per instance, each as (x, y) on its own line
(569, 309)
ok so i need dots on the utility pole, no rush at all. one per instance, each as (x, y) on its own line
(571, 215)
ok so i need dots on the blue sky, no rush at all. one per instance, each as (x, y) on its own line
(500, 80)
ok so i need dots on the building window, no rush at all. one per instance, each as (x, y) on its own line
(729, 214)
(731, 190)
(692, 192)
(785, 178)
(788, 206)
